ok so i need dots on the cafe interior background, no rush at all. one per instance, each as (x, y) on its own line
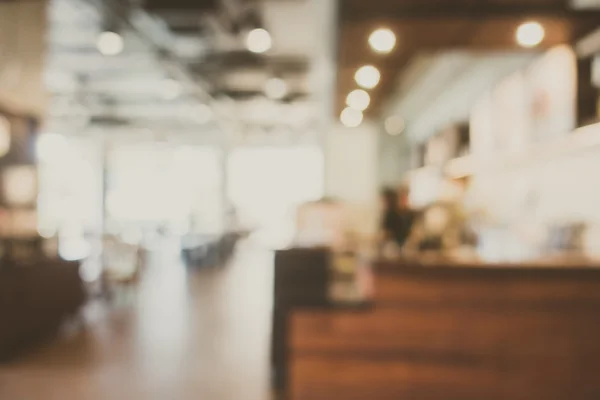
(151, 122)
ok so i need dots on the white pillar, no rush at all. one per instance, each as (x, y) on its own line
(323, 70)
(352, 156)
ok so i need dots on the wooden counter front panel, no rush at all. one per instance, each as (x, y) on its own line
(455, 338)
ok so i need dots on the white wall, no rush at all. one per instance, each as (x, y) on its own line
(351, 171)
(394, 159)
(564, 187)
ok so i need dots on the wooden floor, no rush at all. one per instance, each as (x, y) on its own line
(201, 336)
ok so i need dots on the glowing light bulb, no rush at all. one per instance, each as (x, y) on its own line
(358, 99)
(351, 118)
(276, 88)
(259, 40)
(382, 40)
(394, 125)
(530, 34)
(110, 43)
(367, 77)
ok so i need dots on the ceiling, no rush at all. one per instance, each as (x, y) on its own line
(199, 44)
(184, 66)
(437, 26)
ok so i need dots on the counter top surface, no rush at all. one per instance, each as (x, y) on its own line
(436, 260)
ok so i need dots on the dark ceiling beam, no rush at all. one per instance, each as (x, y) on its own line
(251, 94)
(182, 18)
(450, 10)
(184, 5)
(189, 30)
(239, 60)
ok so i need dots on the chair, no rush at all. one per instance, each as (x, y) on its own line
(122, 266)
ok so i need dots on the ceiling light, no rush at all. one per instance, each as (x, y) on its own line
(171, 89)
(382, 40)
(110, 43)
(367, 77)
(358, 99)
(351, 118)
(258, 40)
(530, 34)
(394, 125)
(276, 88)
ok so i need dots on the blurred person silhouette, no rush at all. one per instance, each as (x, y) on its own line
(396, 219)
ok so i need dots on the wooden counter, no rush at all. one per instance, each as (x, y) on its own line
(305, 279)
(455, 331)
